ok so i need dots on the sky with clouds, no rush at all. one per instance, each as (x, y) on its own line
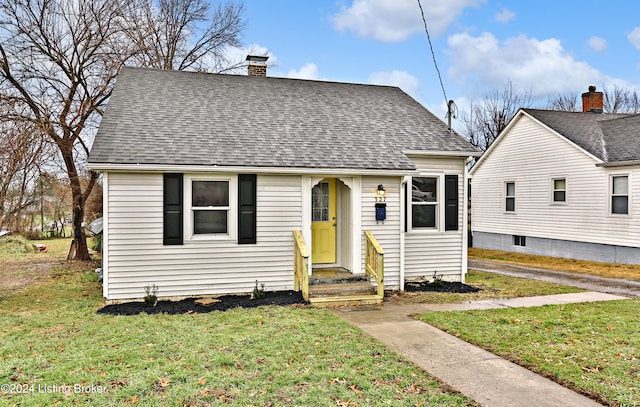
(547, 47)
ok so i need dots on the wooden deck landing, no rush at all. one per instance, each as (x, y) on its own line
(334, 286)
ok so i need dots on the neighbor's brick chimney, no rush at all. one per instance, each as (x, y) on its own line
(592, 101)
(257, 65)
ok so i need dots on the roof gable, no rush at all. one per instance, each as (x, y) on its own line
(607, 138)
(186, 118)
(582, 128)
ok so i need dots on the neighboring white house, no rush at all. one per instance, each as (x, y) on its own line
(563, 184)
(207, 176)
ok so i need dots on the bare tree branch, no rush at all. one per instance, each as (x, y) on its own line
(486, 119)
(59, 60)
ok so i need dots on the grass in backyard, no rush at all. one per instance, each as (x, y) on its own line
(593, 348)
(612, 270)
(269, 356)
(491, 286)
(21, 266)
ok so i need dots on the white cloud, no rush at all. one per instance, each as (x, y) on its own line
(397, 20)
(542, 66)
(308, 71)
(405, 81)
(505, 16)
(597, 44)
(634, 37)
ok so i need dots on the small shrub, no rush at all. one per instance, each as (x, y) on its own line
(437, 280)
(151, 294)
(258, 292)
(96, 243)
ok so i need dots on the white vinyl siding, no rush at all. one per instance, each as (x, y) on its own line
(438, 251)
(387, 233)
(531, 155)
(136, 257)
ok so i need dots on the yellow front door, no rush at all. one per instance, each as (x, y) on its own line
(323, 221)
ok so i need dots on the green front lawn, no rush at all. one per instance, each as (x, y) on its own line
(269, 356)
(592, 348)
(491, 286)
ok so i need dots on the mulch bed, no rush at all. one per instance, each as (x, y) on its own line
(439, 286)
(188, 306)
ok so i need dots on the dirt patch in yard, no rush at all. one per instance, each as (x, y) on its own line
(190, 305)
(17, 275)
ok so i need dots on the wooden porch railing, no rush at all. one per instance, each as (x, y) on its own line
(374, 261)
(300, 265)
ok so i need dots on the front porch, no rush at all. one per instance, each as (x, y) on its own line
(333, 286)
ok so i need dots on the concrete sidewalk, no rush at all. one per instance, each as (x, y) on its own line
(480, 375)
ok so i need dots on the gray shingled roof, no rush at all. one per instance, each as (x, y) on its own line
(609, 137)
(169, 117)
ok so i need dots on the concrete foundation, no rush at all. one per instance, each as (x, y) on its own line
(558, 248)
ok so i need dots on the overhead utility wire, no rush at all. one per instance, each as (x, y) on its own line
(433, 54)
(450, 104)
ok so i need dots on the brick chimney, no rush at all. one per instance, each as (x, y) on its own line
(592, 101)
(257, 65)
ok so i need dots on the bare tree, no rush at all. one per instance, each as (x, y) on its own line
(485, 120)
(185, 34)
(567, 102)
(21, 158)
(619, 100)
(59, 60)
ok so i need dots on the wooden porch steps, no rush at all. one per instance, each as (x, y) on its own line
(328, 288)
(371, 299)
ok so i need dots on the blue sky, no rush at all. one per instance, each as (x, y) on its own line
(548, 47)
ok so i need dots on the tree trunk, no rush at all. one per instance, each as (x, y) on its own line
(79, 236)
(77, 197)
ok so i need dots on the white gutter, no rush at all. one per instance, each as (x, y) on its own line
(242, 169)
(442, 153)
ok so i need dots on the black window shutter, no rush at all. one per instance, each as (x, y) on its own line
(172, 209)
(247, 208)
(451, 202)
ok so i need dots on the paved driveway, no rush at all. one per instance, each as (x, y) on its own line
(617, 286)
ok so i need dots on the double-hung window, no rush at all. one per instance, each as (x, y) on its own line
(559, 186)
(424, 202)
(620, 194)
(510, 196)
(210, 206)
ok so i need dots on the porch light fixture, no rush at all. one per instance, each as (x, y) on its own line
(381, 194)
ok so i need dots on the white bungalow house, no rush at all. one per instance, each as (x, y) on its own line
(209, 179)
(562, 184)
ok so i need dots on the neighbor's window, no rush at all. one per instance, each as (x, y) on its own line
(210, 207)
(559, 190)
(424, 202)
(620, 194)
(510, 196)
(519, 240)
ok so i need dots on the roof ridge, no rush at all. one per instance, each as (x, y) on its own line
(235, 75)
